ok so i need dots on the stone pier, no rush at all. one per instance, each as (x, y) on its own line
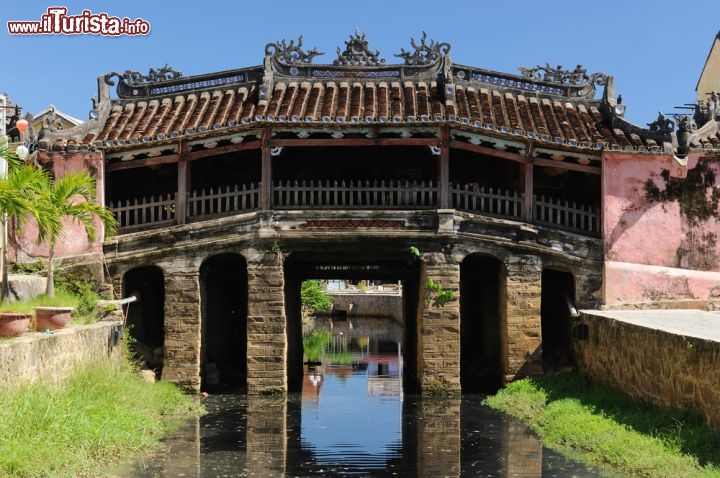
(522, 312)
(440, 328)
(182, 329)
(266, 329)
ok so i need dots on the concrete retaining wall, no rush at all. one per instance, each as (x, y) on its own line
(35, 356)
(664, 368)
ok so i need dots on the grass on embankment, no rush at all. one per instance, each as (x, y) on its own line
(605, 428)
(103, 413)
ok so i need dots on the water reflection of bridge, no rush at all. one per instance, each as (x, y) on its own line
(242, 435)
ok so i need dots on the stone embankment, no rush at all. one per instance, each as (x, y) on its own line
(666, 357)
(371, 302)
(52, 356)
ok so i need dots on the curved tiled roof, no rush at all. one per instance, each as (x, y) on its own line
(543, 104)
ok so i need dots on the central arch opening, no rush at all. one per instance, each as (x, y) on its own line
(375, 300)
(354, 362)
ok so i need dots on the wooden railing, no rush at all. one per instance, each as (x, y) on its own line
(566, 215)
(501, 203)
(139, 213)
(355, 194)
(153, 212)
(222, 201)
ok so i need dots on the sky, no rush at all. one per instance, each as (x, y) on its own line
(654, 49)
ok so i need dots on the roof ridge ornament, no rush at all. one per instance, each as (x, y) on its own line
(424, 54)
(357, 52)
(573, 78)
(290, 53)
(132, 77)
(578, 76)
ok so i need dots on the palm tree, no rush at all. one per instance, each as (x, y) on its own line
(18, 183)
(71, 196)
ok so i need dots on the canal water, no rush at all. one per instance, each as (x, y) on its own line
(352, 419)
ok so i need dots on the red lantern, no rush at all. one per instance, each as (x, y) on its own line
(21, 125)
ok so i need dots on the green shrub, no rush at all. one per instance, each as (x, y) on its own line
(314, 298)
(83, 289)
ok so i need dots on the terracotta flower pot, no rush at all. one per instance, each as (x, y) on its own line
(51, 318)
(13, 324)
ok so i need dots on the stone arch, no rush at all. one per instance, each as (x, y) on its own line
(353, 264)
(557, 310)
(482, 330)
(224, 305)
(146, 316)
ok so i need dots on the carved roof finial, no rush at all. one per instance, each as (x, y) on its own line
(290, 53)
(424, 54)
(357, 52)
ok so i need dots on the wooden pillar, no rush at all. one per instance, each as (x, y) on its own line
(528, 212)
(444, 169)
(266, 172)
(183, 180)
(528, 171)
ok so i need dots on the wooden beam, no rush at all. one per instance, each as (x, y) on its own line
(141, 163)
(476, 148)
(569, 166)
(231, 148)
(327, 142)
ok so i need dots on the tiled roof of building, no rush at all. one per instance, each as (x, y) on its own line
(543, 104)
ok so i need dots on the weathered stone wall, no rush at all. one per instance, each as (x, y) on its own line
(368, 304)
(266, 334)
(439, 328)
(181, 363)
(665, 369)
(522, 313)
(36, 356)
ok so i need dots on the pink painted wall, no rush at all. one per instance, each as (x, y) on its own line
(74, 242)
(653, 251)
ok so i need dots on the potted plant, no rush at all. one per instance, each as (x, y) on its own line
(52, 317)
(13, 324)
